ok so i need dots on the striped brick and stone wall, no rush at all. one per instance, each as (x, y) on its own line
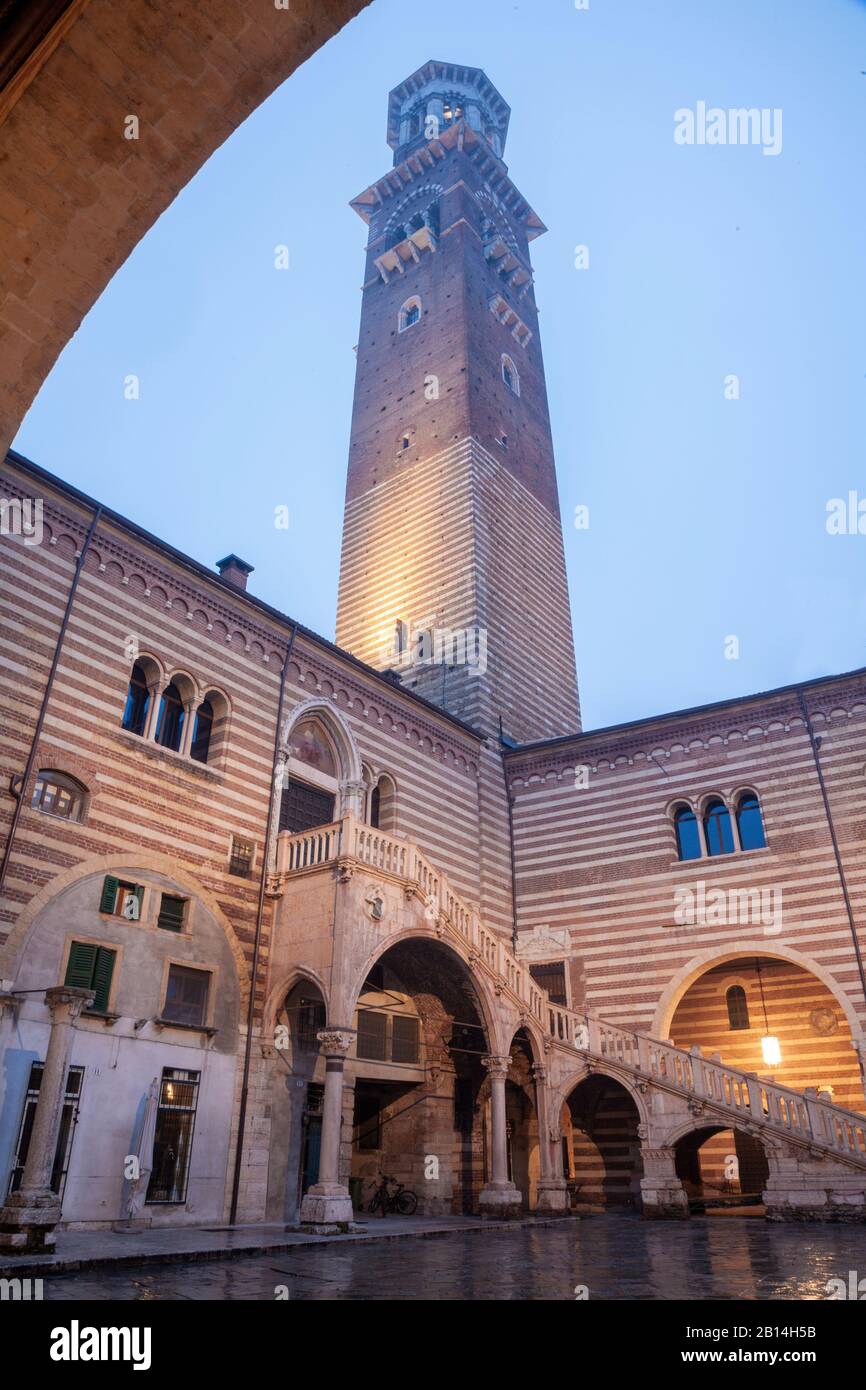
(598, 875)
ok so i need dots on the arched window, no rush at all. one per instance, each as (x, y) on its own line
(309, 795)
(510, 375)
(382, 805)
(410, 313)
(58, 795)
(169, 723)
(201, 731)
(738, 1008)
(688, 837)
(137, 701)
(717, 828)
(750, 823)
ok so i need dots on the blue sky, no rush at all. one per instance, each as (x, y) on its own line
(707, 515)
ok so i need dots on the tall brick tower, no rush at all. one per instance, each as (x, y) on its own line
(452, 565)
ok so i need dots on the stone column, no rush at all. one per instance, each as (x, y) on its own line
(499, 1197)
(551, 1187)
(353, 796)
(327, 1205)
(28, 1219)
(662, 1192)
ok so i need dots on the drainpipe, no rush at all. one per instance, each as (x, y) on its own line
(260, 911)
(839, 865)
(18, 786)
(509, 801)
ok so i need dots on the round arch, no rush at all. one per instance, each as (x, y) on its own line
(123, 865)
(712, 957)
(535, 1037)
(284, 987)
(338, 728)
(483, 997)
(565, 1088)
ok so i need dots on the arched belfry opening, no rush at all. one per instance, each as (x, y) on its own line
(419, 1107)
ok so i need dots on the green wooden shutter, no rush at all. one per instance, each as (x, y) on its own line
(139, 893)
(109, 894)
(171, 913)
(80, 966)
(102, 973)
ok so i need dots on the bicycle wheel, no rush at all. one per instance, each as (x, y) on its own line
(375, 1201)
(406, 1202)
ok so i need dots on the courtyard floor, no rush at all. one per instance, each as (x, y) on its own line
(610, 1256)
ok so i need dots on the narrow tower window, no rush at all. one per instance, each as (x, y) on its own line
(510, 375)
(738, 1008)
(410, 313)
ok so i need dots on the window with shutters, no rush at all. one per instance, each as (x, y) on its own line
(404, 1038)
(372, 1035)
(91, 967)
(186, 996)
(121, 899)
(172, 912)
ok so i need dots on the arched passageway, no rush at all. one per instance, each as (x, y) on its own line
(721, 1167)
(419, 1103)
(296, 1099)
(601, 1147)
(733, 1007)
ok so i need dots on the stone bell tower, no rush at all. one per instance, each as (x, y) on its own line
(452, 566)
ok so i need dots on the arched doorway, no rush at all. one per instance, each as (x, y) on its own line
(738, 1006)
(601, 1146)
(419, 1108)
(296, 1099)
(721, 1168)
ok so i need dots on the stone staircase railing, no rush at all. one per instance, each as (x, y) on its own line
(799, 1115)
(351, 839)
(802, 1116)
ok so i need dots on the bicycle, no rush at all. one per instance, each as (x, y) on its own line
(403, 1200)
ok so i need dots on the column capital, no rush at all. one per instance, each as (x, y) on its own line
(69, 997)
(496, 1066)
(335, 1042)
(539, 1074)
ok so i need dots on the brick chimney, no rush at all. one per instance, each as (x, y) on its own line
(235, 570)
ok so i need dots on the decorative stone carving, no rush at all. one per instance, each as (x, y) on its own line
(543, 943)
(335, 1042)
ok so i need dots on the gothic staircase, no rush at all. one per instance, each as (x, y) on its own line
(717, 1093)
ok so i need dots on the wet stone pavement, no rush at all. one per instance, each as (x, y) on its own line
(615, 1256)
